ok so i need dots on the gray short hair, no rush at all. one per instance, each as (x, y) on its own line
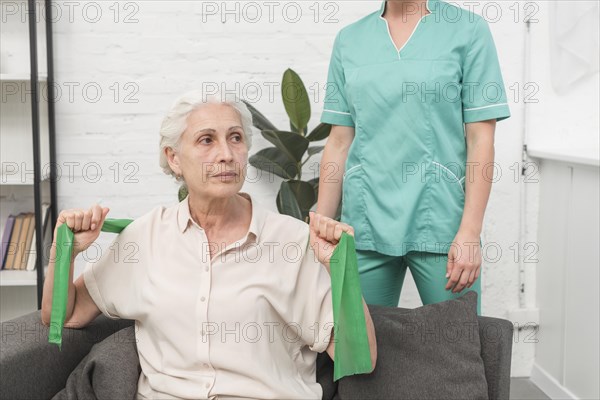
(174, 124)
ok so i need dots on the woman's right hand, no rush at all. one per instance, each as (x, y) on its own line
(85, 224)
(325, 234)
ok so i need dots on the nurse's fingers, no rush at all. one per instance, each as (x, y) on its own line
(449, 269)
(475, 276)
(454, 278)
(463, 281)
(471, 280)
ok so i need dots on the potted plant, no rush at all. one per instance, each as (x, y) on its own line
(291, 150)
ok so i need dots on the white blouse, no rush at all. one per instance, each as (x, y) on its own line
(247, 323)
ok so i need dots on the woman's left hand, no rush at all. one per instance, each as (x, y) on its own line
(464, 262)
(325, 233)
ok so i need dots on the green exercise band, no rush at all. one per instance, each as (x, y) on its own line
(62, 266)
(352, 352)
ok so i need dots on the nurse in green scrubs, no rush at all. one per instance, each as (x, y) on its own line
(414, 92)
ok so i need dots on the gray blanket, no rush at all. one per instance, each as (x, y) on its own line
(110, 370)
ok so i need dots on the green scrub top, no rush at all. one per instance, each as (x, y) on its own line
(404, 178)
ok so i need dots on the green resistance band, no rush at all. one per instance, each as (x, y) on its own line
(62, 265)
(352, 351)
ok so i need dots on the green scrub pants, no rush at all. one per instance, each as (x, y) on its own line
(382, 276)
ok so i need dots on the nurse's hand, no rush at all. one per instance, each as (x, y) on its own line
(464, 262)
(325, 234)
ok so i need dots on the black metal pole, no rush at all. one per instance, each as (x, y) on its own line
(51, 116)
(35, 124)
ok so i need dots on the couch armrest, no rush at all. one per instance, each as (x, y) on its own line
(496, 336)
(32, 368)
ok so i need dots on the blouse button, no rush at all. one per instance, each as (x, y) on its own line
(202, 298)
(207, 385)
(206, 268)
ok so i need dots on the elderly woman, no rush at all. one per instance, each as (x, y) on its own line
(229, 299)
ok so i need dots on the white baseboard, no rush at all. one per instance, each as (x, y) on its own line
(549, 385)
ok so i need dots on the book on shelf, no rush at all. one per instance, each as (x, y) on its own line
(19, 240)
(22, 241)
(30, 266)
(8, 227)
(27, 242)
(31, 255)
(11, 243)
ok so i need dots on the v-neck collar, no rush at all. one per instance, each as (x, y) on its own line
(431, 7)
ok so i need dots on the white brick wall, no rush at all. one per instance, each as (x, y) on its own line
(171, 46)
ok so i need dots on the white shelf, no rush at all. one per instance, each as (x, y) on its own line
(18, 294)
(16, 141)
(9, 277)
(571, 157)
(18, 77)
(17, 180)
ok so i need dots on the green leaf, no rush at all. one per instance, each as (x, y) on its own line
(275, 161)
(287, 203)
(293, 129)
(319, 133)
(258, 119)
(182, 193)
(315, 150)
(295, 100)
(315, 184)
(305, 194)
(290, 143)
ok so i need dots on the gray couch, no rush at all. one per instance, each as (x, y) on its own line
(31, 368)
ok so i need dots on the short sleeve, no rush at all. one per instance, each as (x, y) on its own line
(109, 278)
(313, 306)
(483, 91)
(336, 110)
